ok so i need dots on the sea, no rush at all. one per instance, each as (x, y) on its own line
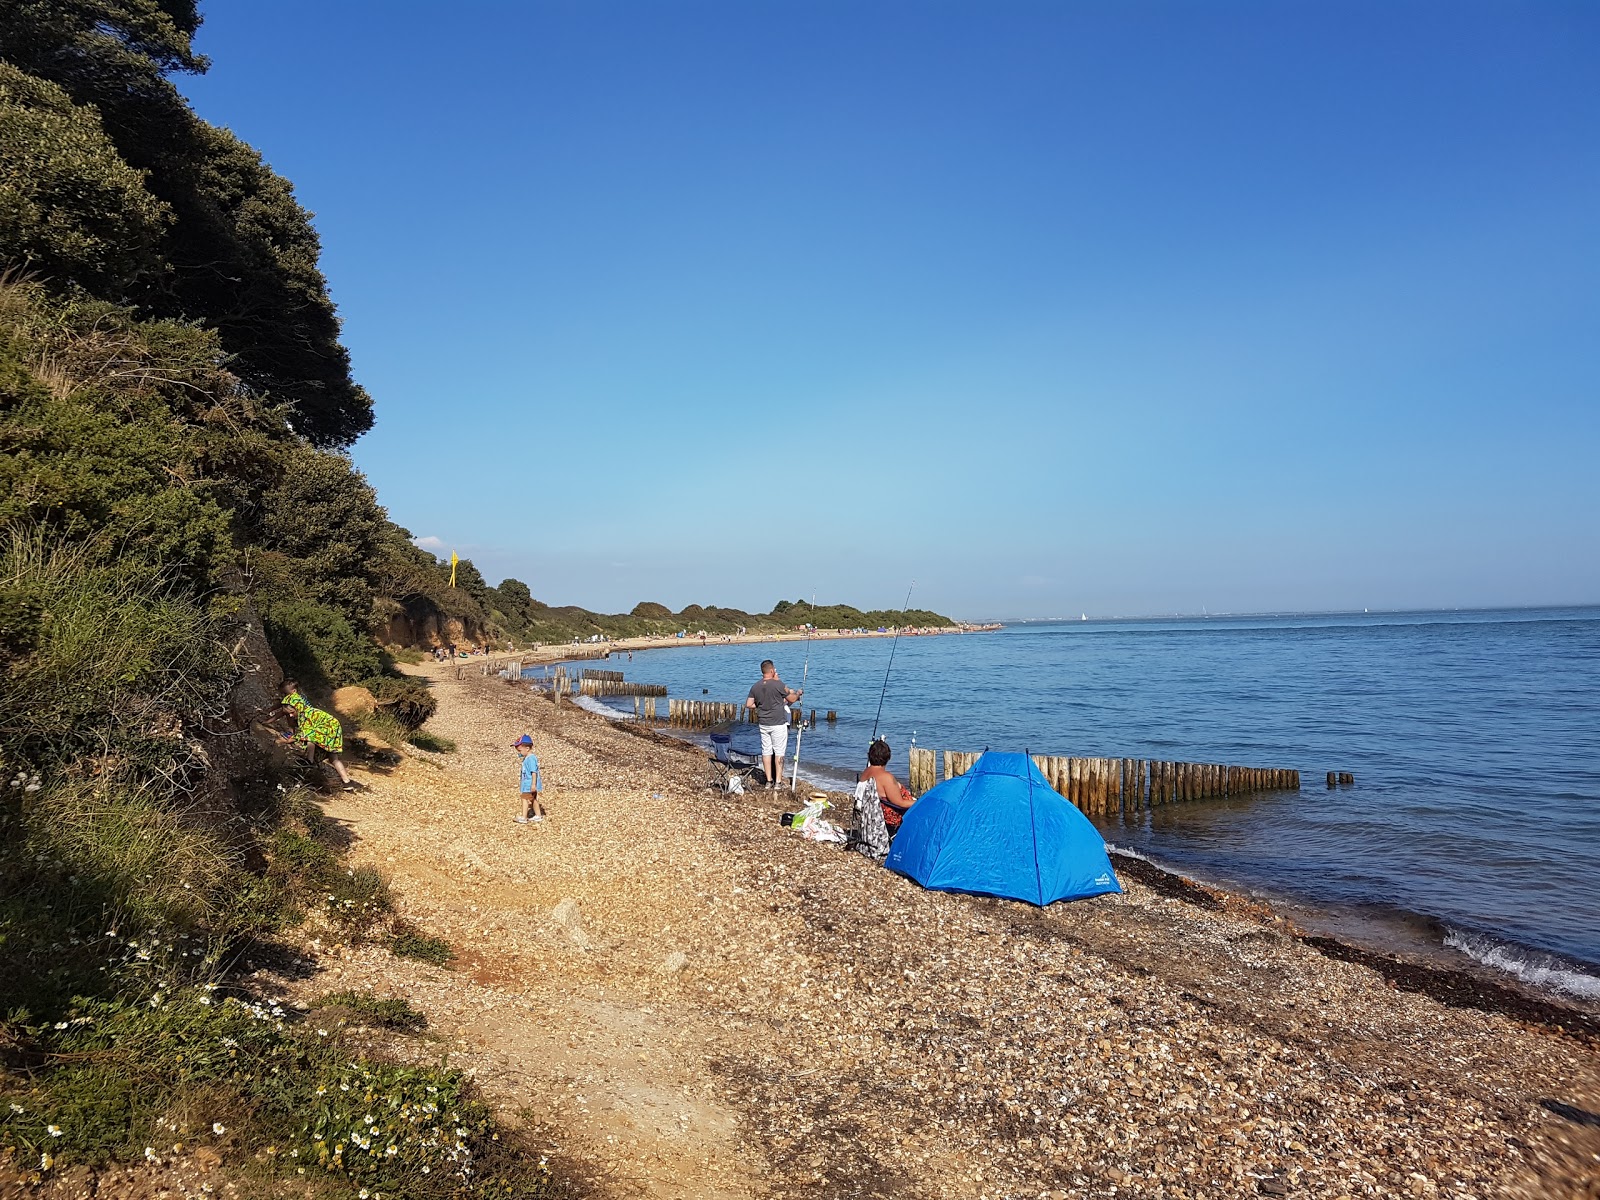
(1471, 832)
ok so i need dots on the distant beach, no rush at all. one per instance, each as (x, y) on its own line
(564, 651)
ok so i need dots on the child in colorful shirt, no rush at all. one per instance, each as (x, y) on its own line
(315, 730)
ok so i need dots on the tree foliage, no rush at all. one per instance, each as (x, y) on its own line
(69, 205)
(216, 237)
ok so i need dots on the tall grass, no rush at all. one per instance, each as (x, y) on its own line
(109, 659)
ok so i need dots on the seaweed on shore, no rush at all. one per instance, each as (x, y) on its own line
(1448, 986)
(1460, 989)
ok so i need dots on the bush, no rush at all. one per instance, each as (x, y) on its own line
(142, 658)
(315, 645)
(193, 1068)
(406, 697)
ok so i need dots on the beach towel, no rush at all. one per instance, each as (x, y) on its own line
(870, 837)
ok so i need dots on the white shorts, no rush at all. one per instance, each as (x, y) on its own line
(774, 739)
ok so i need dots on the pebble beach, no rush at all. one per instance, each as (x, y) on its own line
(674, 996)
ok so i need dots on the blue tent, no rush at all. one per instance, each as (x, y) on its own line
(1002, 830)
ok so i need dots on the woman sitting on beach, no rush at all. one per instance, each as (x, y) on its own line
(314, 730)
(880, 804)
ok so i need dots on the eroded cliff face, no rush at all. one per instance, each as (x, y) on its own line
(419, 623)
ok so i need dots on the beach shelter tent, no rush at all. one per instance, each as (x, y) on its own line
(1002, 830)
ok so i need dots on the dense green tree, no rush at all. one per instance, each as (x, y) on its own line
(318, 532)
(239, 253)
(70, 208)
(104, 429)
(470, 580)
(515, 593)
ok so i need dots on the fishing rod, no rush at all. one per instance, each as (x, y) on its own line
(893, 646)
(799, 737)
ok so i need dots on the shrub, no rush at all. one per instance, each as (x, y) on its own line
(108, 659)
(406, 697)
(241, 1074)
(381, 723)
(317, 646)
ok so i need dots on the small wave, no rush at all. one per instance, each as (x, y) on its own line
(590, 704)
(1128, 852)
(1531, 966)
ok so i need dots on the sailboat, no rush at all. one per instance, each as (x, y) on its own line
(1084, 617)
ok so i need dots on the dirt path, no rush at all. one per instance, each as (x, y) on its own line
(835, 1031)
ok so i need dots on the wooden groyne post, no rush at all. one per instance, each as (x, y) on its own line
(1108, 787)
(616, 687)
(700, 714)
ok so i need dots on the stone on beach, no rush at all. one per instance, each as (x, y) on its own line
(567, 916)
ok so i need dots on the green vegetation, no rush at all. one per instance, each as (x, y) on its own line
(359, 1008)
(282, 1094)
(174, 402)
(410, 942)
(512, 612)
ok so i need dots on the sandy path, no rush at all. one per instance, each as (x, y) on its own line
(839, 1032)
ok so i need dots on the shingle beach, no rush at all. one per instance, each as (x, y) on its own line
(677, 997)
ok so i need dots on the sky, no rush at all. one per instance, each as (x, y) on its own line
(1118, 308)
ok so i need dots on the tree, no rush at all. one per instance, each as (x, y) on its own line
(320, 529)
(69, 206)
(239, 252)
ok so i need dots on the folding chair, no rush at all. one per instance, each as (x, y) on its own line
(720, 768)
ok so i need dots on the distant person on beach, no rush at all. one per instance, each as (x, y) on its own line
(771, 698)
(315, 730)
(893, 798)
(532, 809)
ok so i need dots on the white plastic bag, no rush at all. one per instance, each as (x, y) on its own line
(820, 829)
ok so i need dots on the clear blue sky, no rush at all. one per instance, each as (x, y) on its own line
(1054, 307)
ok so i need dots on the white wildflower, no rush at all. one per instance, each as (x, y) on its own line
(53, 1130)
(218, 1128)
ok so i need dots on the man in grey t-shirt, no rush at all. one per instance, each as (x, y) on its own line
(771, 699)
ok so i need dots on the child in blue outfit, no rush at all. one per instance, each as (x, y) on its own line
(532, 810)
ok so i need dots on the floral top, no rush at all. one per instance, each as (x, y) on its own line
(315, 726)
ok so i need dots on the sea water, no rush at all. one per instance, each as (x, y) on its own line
(1474, 739)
